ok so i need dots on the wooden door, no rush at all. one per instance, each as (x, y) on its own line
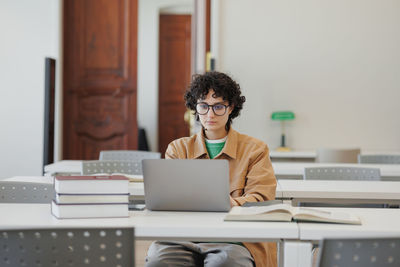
(174, 77)
(100, 68)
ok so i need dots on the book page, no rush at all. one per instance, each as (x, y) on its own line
(310, 214)
(254, 210)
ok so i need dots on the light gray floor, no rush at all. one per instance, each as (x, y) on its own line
(140, 252)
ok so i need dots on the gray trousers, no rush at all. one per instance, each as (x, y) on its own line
(173, 253)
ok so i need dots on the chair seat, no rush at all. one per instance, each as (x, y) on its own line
(68, 247)
(372, 252)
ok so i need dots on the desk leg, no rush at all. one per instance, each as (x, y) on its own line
(295, 254)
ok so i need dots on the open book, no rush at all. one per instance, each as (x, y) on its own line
(285, 212)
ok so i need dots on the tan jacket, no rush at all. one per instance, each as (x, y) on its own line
(252, 177)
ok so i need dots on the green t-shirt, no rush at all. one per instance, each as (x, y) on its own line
(214, 147)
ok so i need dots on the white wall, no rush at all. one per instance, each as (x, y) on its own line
(29, 33)
(336, 64)
(148, 34)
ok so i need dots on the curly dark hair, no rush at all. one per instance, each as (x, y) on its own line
(223, 86)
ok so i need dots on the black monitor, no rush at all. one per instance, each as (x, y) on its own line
(49, 114)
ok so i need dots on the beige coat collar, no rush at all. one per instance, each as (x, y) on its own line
(229, 148)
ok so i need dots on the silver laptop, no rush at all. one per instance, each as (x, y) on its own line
(186, 184)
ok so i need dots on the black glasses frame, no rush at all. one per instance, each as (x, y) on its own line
(212, 107)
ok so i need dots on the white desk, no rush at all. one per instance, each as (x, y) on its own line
(295, 170)
(297, 190)
(311, 155)
(209, 226)
(189, 226)
(63, 166)
(283, 170)
(375, 223)
(136, 189)
(32, 179)
(195, 226)
(375, 192)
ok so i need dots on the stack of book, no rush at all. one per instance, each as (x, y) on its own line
(90, 196)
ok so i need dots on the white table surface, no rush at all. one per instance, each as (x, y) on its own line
(194, 226)
(209, 226)
(293, 154)
(32, 179)
(309, 154)
(339, 189)
(280, 168)
(64, 166)
(136, 189)
(297, 168)
(375, 223)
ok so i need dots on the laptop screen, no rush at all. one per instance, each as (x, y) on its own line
(186, 184)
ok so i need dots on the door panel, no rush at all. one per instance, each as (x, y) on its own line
(100, 66)
(174, 77)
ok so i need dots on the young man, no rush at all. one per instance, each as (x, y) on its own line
(216, 100)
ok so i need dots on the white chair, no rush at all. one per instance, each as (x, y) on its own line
(24, 192)
(342, 173)
(111, 166)
(329, 155)
(379, 159)
(374, 252)
(128, 155)
(67, 247)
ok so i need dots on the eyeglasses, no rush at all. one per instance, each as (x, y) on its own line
(218, 109)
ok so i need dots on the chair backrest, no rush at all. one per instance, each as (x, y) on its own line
(111, 166)
(128, 155)
(329, 155)
(379, 252)
(379, 159)
(342, 173)
(67, 247)
(24, 192)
